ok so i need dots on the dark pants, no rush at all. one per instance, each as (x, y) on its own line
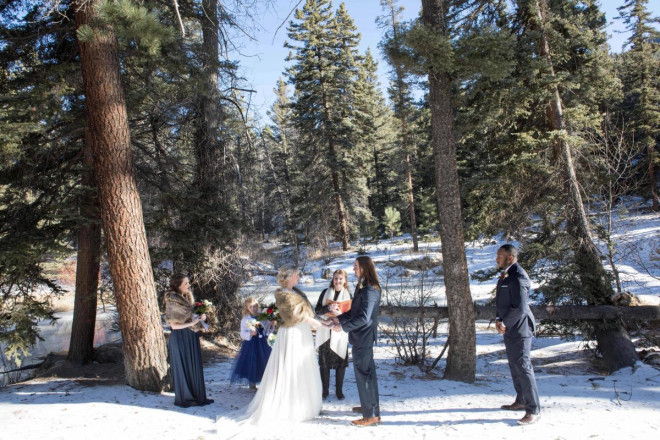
(522, 372)
(365, 376)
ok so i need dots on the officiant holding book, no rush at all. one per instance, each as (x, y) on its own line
(333, 346)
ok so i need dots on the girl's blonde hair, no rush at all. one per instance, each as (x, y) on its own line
(285, 273)
(248, 302)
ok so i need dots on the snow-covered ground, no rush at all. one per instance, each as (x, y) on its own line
(577, 403)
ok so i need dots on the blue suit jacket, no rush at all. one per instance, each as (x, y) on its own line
(361, 321)
(511, 300)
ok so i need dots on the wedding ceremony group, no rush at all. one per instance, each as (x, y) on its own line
(293, 382)
(295, 219)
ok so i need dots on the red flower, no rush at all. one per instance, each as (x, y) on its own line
(198, 304)
(270, 311)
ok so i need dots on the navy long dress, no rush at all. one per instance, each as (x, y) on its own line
(252, 359)
(187, 370)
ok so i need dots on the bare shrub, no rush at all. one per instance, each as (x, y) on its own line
(411, 336)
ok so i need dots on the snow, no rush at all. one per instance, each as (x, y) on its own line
(577, 402)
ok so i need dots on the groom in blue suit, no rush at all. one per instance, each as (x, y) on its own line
(516, 322)
(361, 323)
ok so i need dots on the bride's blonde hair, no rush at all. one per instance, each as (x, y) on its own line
(285, 273)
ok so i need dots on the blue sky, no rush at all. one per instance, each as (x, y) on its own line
(263, 60)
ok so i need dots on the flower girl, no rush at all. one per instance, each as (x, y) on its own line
(253, 357)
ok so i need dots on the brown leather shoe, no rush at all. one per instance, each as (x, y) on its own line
(357, 409)
(367, 421)
(529, 419)
(515, 406)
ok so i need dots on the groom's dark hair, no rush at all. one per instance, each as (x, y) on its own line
(369, 275)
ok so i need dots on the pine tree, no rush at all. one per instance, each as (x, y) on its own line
(641, 78)
(324, 74)
(436, 35)
(375, 146)
(400, 95)
(145, 355)
(279, 154)
(543, 26)
(41, 125)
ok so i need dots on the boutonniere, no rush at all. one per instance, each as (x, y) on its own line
(504, 275)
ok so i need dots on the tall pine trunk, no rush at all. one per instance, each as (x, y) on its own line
(207, 146)
(461, 360)
(613, 340)
(81, 346)
(409, 182)
(653, 179)
(402, 116)
(145, 355)
(336, 187)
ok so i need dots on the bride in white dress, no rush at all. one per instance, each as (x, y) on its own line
(290, 389)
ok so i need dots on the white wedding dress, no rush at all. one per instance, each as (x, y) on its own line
(290, 389)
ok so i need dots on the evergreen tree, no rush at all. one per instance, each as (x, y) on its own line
(400, 95)
(41, 125)
(432, 42)
(373, 120)
(282, 173)
(324, 75)
(641, 78)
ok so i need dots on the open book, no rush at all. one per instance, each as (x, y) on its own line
(344, 306)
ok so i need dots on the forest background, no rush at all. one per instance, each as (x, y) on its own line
(128, 139)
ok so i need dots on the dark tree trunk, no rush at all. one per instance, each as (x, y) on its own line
(405, 138)
(145, 355)
(653, 183)
(612, 338)
(208, 148)
(81, 346)
(411, 196)
(461, 360)
(341, 211)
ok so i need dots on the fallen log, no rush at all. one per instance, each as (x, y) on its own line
(551, 313)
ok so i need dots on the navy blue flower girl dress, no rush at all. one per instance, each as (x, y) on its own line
(252, 359)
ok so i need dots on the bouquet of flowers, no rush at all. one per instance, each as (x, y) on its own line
(253, 325)
(201, 308)
(270, 313)
(271, 339)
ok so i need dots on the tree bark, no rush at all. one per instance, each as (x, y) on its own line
(403, 120)
(81, 346)
(653, 184)
(208, 150)
(341, 211)
(593, 276)
(461, 360)
(145, 355)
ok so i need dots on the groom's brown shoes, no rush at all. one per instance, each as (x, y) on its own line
(515, 406)
(367, 421)
(357, 409)
(529, 419)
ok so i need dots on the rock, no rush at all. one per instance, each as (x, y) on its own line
(109, 354)
(327, 274)
(625, 299)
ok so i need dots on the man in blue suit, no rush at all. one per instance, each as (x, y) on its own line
(516, 322)
(361, 323)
